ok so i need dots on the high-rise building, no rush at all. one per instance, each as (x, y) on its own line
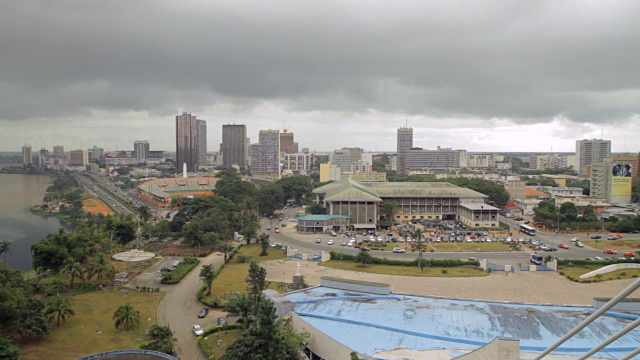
(58, 151)
(342, 159)
(27, 157)
(287, 145)
(78, 157)
(140, 149)
(481, 161)
(186, 142)
(633, 160)
(95, 153)
(590, 152)
(298, 162)
(441, 158)
(265, 155)
(612, 181)
(547, 161)
(201, 142)
(404, 144)
(233, 147)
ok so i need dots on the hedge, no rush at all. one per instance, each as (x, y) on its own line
(206, 349)
(180, 271)
(385, 261)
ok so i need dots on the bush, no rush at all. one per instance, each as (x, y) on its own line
(180, 271)
(413, 263)
(444, 271)
(243, 258)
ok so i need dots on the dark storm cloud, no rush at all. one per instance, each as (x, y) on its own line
(527, 61)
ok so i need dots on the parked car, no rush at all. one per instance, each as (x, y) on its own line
(574, 239)
(268, 227)
(579, 244)
(221, 321)
(330, 242)
(197, 330)
(203, 312)
(166, 269)
(344, 243)
(629, 254)
(610, 252)
(316, 257)
(364, 248)
(518, 219)
(277, 231)
(318, 241)
(398, 250)
(563, 246)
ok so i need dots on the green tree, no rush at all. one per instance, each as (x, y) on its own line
(364, 258)
(263, 240)
(8, 351)
(568, 211)
(316, 209)
(240, 305)
(207, 275)
(160, 339)
(126, 316)
(32, 320)
(256, 283)
(270, 198)
(225, 249)
(295, 187)
(73, 268)
(13, 296)
(389, 209)
(589, 214)
(58, 308)
(5, 247)
(144, 213)
(100, 269)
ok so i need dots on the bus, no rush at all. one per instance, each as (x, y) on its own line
(531, 231)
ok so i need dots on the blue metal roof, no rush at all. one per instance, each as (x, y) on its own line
(366, 323)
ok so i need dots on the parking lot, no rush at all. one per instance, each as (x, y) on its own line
(151, 276)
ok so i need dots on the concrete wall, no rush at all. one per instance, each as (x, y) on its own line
(321, 344)
(497, 349)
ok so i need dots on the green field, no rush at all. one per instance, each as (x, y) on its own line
(574, 272)
(92, 330)
(226, 338)
(465, 271)
(618, 245)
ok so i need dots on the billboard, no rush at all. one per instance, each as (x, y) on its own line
(621, 179)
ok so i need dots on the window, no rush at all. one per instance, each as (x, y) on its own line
(477, 224)
(370, 220)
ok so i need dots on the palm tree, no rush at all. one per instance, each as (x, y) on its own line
(73, 268)
(249, 207)
(58, 308)
(225, 248)
(161, 339)
(419, 245)
(144, 213)
(5, 247)
(207, 274)
(263, 240)
(240, 305)
(100, 268)
(126, 316)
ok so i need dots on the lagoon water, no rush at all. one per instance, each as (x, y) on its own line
(18, 193)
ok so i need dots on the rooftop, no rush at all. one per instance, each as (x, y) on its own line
(321, 217)
(478, 206)
(368, 323)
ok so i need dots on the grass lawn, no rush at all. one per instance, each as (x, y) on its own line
(232, 277)
(228, 337)
(575, 272)
(406, 270)
(91, 330)
(623, 245)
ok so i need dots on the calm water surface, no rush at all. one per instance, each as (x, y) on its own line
(18, 193)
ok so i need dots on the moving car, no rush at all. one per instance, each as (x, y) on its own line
(203, 312)
(268, 227)
(364, 248)
(629, 254)
(330, 242)
(166, 269)
(318, 241)
(612, 237)
(344, 243)
(574, 239)
(197, 330)
(398, 250)
(277, 231)
(579, 244)
(610, 251)
(563, 246)
(596, 237)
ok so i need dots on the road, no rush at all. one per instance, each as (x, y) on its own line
(114, 203)
(179, 308)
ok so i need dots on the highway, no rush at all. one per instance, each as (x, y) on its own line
(115, 204)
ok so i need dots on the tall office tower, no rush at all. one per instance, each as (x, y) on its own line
(612, 181)
(27, 157)
(234, 138)
(404, 143)
(78, 157)
(341, 158)
(590, 152)
(43, 154)
(633, 160)
(287, 145)
(265, 155)
(186, 142)
(201, 142)
(140, 149)
(95, 153)
(58, 151)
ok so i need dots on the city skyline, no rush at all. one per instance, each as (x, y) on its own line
(544, 72)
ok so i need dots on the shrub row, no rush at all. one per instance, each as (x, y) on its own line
(180, 271)
(385, 261)
(206, 349)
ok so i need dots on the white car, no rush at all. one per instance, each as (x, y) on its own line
(344, 243)
(330, 242)
(197, 330)
(351, 243)
(398, 250)
(574, 239)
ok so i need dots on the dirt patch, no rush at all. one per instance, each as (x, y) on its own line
(96, 206)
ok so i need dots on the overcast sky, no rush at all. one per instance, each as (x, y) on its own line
(476, 75)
